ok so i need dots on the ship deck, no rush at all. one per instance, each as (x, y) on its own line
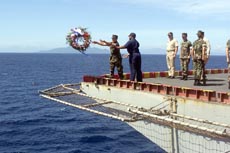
(216, 82)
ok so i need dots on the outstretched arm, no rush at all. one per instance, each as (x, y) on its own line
(120, 47)
(100, 43)
(106, 42)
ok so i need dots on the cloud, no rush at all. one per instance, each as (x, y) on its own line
(203, 7)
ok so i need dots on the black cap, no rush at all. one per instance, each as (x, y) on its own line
(114, 36)
(170, 34)
(184, 34)
(199, 31)
(132, 35)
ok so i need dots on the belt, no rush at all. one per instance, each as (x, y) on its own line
(170, 50)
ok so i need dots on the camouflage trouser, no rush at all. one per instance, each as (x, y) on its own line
(184, 66)
(197, 67)
(119, 66)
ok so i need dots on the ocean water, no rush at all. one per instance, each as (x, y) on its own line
(29, 123)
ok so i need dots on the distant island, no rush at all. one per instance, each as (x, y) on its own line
(94, 50)
(69, 50)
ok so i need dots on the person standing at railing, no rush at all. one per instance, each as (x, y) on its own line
(115, 59)
(207, 55)
(134, 55)
(186, 46)
(198, 56)
(172, 48)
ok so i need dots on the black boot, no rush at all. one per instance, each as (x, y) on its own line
(121, 76)
(195, 82)
(198, 83)
(186, 77)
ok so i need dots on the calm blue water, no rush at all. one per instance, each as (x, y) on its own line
(29, 123)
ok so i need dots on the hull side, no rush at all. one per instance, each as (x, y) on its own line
(168, 138)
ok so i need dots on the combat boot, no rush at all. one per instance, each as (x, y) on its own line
(121, 76)
(186, 77)
(198, 83)
(195, 82)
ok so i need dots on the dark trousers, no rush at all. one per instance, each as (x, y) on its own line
(135, 67)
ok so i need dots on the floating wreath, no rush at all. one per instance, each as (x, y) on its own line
(78, 38)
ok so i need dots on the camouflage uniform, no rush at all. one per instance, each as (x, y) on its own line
(228, 46)
(198, 59)
(185, 57)
(116, 61)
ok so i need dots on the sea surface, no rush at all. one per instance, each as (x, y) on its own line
(30, 124)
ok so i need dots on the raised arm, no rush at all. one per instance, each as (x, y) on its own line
(101, 43)
(120, 47)
(106, 42)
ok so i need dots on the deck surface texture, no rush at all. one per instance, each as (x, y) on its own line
(216, 82)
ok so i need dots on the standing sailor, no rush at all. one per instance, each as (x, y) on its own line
(228, 61)
(132, 47)
(198, 56)
(115, 56)
(172, 48)
(206, 58)
(186, 46)
(208, 48)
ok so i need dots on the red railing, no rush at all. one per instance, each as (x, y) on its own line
(190, 93)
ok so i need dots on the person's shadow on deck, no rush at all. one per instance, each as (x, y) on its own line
(215, 84)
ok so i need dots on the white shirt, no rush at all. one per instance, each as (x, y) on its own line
(172, 45)
(208, 46)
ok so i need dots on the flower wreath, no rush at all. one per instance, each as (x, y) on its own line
(79, 39)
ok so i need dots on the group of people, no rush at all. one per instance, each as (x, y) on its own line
(199, 51)
(134, 55)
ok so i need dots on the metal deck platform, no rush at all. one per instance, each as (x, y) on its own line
(216, 82)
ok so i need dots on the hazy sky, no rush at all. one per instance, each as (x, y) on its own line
(31, 25)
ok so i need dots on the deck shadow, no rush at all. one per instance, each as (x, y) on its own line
(215, 80)
(214, 84)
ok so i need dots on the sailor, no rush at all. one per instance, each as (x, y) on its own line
(198, 56)
(228, 61)
(186, 46)
(134, 55)
(208, 48)
(172, 48)
(207, 55)
(115, 56)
